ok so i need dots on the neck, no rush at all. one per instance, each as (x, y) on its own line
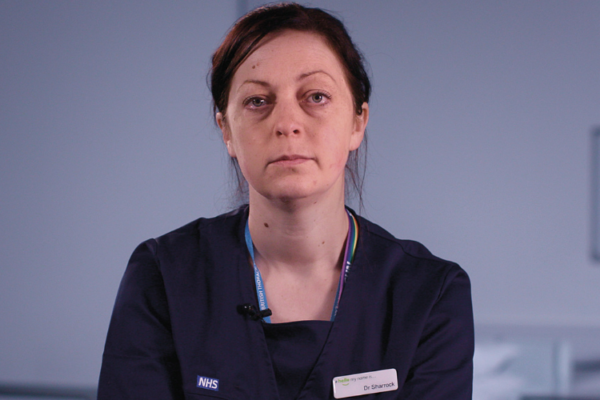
(303, 238)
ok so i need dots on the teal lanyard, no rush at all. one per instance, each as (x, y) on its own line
(351, 242)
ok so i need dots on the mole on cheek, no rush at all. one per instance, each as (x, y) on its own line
(266, 225)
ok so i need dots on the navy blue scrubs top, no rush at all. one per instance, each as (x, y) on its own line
(295, 348)
(176, 332)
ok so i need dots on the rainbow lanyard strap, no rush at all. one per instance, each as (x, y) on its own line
(351, 242)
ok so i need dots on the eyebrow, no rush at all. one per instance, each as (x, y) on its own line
(318, 71)
(256, 82)
(301, 77)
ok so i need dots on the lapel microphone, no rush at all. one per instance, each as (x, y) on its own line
(252, 312)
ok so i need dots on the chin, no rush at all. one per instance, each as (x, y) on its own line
(290, 195)
(297, 191)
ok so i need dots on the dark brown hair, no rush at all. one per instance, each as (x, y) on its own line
(251, 29)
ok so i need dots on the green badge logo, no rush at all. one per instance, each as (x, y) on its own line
(344, 381)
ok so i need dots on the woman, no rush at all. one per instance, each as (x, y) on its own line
(293, 296)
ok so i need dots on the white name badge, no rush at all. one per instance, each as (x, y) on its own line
(384, 380)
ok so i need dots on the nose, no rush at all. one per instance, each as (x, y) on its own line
(287, 118)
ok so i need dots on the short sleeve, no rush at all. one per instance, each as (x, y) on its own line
(140, 361)
(443, 364)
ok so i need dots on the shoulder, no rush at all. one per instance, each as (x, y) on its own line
(180, 250)
(220, 229)
(219, 225)
(380, 239)
(407, 264)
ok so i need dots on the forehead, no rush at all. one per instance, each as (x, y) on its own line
(290, 53)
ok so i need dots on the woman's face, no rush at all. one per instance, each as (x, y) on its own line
(290, 119)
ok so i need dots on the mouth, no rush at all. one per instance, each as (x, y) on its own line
(291, 159)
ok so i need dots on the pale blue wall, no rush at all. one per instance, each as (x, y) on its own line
(106, 139)
(479, 148)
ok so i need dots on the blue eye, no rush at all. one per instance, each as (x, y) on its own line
(257, 102)
(317, 97)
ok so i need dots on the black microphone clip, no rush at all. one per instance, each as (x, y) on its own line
(251, 311)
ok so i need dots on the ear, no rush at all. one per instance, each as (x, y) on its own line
(360, 125)
(226, 133)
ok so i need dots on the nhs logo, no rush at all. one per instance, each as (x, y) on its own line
(208, 383)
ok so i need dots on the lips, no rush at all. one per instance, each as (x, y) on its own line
(292, 159)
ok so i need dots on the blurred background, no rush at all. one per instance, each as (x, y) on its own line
(480, 146)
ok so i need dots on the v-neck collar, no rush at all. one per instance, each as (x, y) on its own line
(247, 285)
